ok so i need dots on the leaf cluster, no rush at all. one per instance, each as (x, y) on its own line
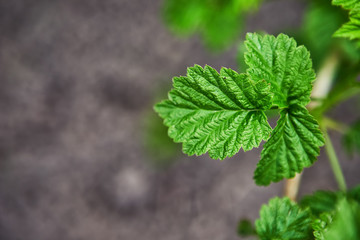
(220, 113)
(324, 215)
(217, 21)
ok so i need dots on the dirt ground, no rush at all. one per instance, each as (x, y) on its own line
(77, 78)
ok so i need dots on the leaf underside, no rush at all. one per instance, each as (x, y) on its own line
(216, 113)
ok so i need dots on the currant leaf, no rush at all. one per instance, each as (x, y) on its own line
(283, 64)
(283, 219)
(294, 144)
(216, 113)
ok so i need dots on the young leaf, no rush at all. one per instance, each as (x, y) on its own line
(283, 219)
(351, 29)
(320, 225)
(286, 66)
(293, 145)
(216, 113)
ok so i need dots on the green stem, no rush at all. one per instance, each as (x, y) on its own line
(334, 162)
(335, 125)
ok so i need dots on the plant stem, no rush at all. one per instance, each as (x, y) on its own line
(292, 187)
(335, 125)
(334, 162)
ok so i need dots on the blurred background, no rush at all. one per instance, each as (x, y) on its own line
(83, 155)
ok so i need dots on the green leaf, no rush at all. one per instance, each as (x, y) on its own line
(216, 113)
(218, 22)
(346, 222)
(320, 201)
(293, 145)
(351, 139)
(321, 20)
(286, 66)
(283, 219)
(351, 29)
(346, 4)
(320, 225)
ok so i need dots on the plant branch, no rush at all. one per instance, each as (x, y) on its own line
(292, 186)
(335, 125)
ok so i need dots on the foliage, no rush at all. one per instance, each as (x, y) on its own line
(350, 29)
(245, 228)
(221, 113)
(283, 219)
(351, 139)
(346, 222)
(217, 21)
(324, 215)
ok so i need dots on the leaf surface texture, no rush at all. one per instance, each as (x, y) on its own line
(283, 219)
(293, 145)
(286, 66)
(216, 113)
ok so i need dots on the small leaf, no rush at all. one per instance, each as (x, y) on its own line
(216, 113)
(321, 225)
(283, 64)
(346, 4)
(351, 29)
(294, 144)
(283, 219)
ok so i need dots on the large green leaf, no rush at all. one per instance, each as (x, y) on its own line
(216, 113)
(286, 66)
(283, 219)
(293, 145)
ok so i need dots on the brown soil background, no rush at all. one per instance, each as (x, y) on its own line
(77, 78)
